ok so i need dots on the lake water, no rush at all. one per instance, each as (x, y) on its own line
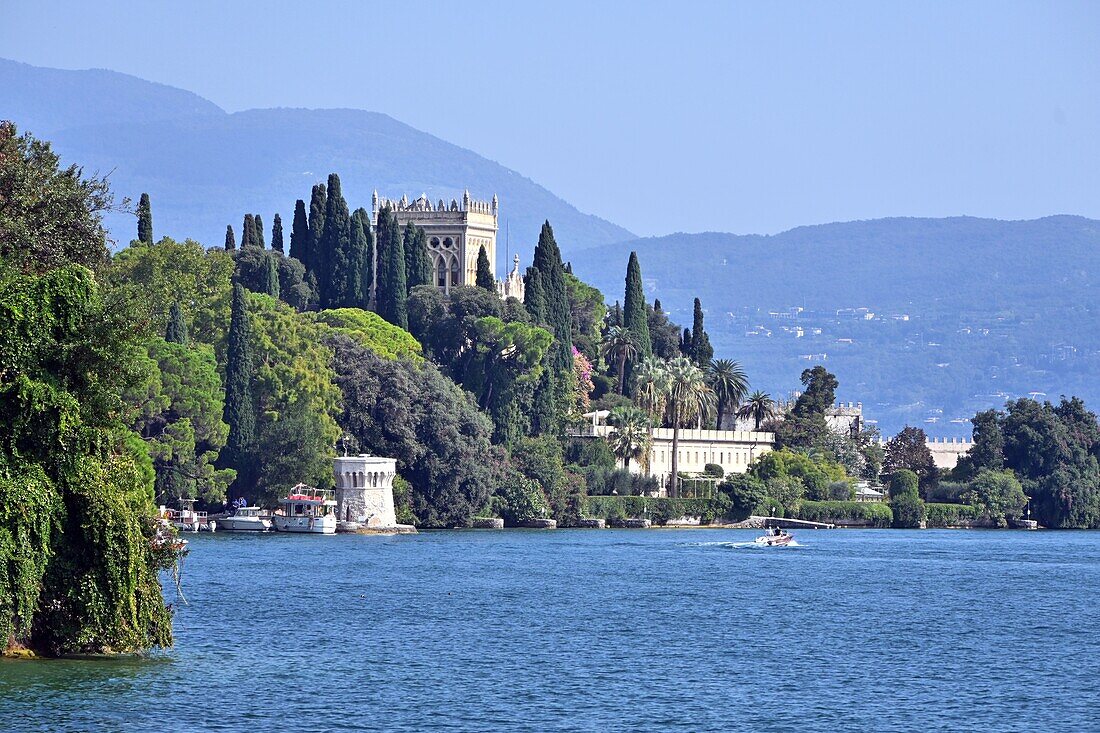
(605, 630)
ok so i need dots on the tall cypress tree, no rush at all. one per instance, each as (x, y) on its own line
(176, 332)
(269, 275)
(334, 270)
(534, 299)
(258, 224)
(392, 292)
(145, 220)
(362, 248)
(248, 232)
(550, 300)
(701, 350)
(299, 234)
(418, 266)
(230, 240)
(240, 411)
(634, 311)
(317, 203)
(485, 277)
(277, 234)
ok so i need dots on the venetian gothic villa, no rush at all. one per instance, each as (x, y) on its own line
(455, 234)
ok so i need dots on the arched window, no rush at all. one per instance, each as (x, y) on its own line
(441, 272)
(454, 271)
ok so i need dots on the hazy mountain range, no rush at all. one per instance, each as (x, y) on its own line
(925, 320)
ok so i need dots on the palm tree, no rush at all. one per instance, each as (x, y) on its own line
(618, 346)
(730, 385)
(759, 407)
(689, 397)
(630, 437)
(651, 387)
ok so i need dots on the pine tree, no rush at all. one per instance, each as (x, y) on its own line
(248, 232)
(362, 247)
(299, 234)
(240, 412)
(230, 240)
(176, 332)
(485, 277)
(335, 275)
(145, 220)
(701, 350)
(258, 232)
(277, 234)
(635, 317)
(392, 292)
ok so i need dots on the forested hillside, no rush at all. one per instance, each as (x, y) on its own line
(925, 320)
(205, 165)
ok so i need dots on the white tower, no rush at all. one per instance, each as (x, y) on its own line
(364, 491)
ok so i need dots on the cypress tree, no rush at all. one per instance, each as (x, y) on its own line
(335, 275)
(258, 237)
(145, 220)
(534, 300)
(635, 317)
(240, 412)
(299, 234)
(248, 232)
(657, 305)
(422, 263)
(269, 275)
(485, 277)
(685, 344)
(392, 291)
(701, 350)
(230, 240)
(362, 248)
(552, 309)
(277, 234)
(418, 266)
(177, 325)
(317, 204)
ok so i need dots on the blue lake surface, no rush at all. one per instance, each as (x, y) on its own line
(873, 630)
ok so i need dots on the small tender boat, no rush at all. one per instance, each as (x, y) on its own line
(775, 538)
(186, 519)
(245, 519)
(307, 510)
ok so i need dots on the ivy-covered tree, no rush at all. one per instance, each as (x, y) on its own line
(484, 279)
(145, 220)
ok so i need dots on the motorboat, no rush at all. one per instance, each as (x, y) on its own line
(307, 510)
(775, 538)
(245, 519)
(187, 519)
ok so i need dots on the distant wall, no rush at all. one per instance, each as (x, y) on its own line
(946, 452)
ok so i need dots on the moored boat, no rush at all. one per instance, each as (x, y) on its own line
(307, 510)
(187, 519)
(245, 519)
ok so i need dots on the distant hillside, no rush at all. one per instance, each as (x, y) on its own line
(205, 168)
(959, 313)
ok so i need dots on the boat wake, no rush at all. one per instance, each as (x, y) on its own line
(751, 545)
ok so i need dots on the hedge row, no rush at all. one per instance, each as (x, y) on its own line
(950, 515)
(658, 511)
(845, 511)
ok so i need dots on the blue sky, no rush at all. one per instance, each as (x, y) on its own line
(686, 116)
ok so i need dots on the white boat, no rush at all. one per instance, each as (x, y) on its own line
(245, 519)
(307, 510)
(186, 519)
(775, 538)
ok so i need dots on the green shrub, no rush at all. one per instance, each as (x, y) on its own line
(909, 510)
(833, 512)
(950, 515)
(841, 491)
(743, 493)
(713, 469)
(606, 481)
(904, 482)
(659, 511)
(520, 499)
